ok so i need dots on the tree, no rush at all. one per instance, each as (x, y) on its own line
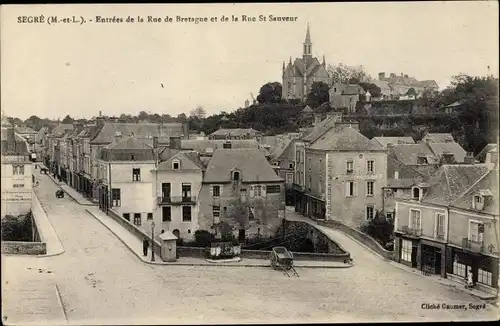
(270, 93)
(143, 116)
(318, 95)
(199, 112)
(182, 117)
(237, 212)
(342, 73)
(411, 92)
(67, 119)
(374, 90)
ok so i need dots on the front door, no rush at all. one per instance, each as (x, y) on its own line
(241, 235)
(414, 257)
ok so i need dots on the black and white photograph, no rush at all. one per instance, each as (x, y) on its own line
(249, 163)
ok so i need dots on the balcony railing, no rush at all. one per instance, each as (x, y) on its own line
(177, 200)
(473, 246)
(414, 232)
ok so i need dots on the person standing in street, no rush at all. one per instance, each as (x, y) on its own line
(145, 246)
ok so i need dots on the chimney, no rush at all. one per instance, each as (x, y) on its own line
(175, 142)
(469, 158)
(185, 130)
(381, 76)
(317, 119)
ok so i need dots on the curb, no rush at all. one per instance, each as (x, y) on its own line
(199, 264)
(61, 304)
(67, 193)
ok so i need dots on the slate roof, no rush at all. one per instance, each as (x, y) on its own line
(188, 160)
(347, 139)
(404, 171)
(452, 181)
(13, 146)
(481, 157)
(24, 130)
(278, 150)
(251, 162)
(128, 149)
(320, 129)
(487, 184)
(62, 129)
(452, 148)
(438, 137)
(140, 130)
(384, 141)
(408, 153)
(235, 132)
(42, 131)
(400, 183)
(353, 90)
(201, 145)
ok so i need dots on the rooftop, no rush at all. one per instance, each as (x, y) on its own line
(347, 139)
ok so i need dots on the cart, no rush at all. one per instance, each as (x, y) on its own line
(282, 259)
(60, 194)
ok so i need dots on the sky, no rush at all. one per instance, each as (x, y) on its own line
(51, 70)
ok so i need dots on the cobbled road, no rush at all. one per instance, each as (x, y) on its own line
(101, 282)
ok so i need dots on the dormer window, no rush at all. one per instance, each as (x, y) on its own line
(478, 202)
(176, 165)
(236, 176)
(422, 160)
(416, 193)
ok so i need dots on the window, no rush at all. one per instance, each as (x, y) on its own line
(414, 219)
(484, 277)
(370, 166)
(150, 216)
(369, 188)
(297, 156)
(136, 174)
(257, 191)
(289, 178)
(349, 189)
(459, 268)
(416, 193)
(390, 215)
(126, 216)
(422, 160)
(186, 213)
(396, 174)
(440, 224)
(474, 231)
(273, 189)
(236, 176)
(116, 197)
(226, 145)
(18, 169)
(186, 190)
(406, 249)
(243, 195)
(176, 165)
(165, 190)
(137, 219)
(478, 202)
(166, 214)
(290, 165)
(369, 212)
(350, 166)
(216, 191)
(216, 214)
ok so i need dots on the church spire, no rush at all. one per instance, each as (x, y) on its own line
(307, 44)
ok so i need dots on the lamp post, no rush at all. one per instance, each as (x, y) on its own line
(152, 241)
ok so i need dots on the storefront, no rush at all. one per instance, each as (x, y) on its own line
(103, 197)
(484, 268)
(407, 250)
(316, 208)
(433, 257)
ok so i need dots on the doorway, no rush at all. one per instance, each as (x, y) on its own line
(241, 235)
(414, 256)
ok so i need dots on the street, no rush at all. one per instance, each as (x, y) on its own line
(101, 282)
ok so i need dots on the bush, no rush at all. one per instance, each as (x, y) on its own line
(379, 228)
(18, 228)
(203, 238)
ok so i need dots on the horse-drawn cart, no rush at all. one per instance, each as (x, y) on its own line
(282, 259)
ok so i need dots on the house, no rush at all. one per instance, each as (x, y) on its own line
(448, 225)
(234, 134)
(105, 133)
(454, 107)
(237, 178)
(449, 152)
(16, 169)
(345, 96)
(344, 176)
(72, 154)
(178, 182)
(400, 85)
(438, 138)
(282, 160)
(385, 141)
(299, 76)
(488, 153)
(52, 142)
(419, 157)
(29, 135)
(39, 138)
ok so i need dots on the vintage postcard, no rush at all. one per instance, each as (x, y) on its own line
(249, 163)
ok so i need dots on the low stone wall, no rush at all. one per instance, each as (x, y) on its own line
(134, 230)
(359, 236)
(191, 252)
(24, 248)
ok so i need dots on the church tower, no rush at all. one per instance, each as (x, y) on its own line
(307, 51)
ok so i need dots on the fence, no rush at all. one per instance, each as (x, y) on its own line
(361, 237)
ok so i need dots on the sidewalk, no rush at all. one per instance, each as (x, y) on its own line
(45, 229)
(135, 245)
(75, 195)
(333, 234)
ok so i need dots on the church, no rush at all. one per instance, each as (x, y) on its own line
(299, 76)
